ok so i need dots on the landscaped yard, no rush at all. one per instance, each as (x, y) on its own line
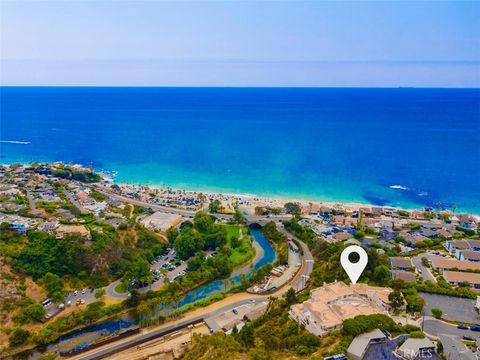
(120, 288)
(244, 251)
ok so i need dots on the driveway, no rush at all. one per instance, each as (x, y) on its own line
(454, 308)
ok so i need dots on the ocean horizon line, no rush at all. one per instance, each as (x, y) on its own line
(243, 87)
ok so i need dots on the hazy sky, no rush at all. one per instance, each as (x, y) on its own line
(240, 43)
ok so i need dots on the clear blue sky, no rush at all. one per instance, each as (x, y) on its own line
(240, 43)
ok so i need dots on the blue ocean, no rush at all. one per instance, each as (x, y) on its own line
(402, 147)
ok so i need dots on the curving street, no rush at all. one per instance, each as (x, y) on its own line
(434, 327)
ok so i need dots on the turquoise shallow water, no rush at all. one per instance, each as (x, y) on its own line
(401, 147)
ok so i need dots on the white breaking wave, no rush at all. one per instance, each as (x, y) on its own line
(398, 187)
(16, 142)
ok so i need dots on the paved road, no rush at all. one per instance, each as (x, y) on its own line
(179, 211)
(424, 271)
(31, 203)
(75, 202)
(434, 327)
(299, 282)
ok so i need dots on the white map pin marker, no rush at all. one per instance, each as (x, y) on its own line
(354, 270)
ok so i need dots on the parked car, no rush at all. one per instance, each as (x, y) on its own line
(463, 327)
(466, 337)
(475, 328)
(235, 311)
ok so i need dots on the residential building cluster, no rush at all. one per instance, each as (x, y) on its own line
(333, 303)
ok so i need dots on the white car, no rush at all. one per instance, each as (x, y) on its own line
(75, 293)
(84, 291)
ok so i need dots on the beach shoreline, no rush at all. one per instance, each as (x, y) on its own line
(280, 200)
(267, 200)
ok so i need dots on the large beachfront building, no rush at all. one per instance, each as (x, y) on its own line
(333, 303)
(160, 221)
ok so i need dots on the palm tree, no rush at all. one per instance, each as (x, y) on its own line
(225, 284)
(201, 197)
(439, 206)
(144, 309)
(176, 297)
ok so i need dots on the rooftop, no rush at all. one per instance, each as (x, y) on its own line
(412, 348)
(360, 344)
(471, 254)
(406, 276)
(401, 262)
(454, 348)
(442, 263)
(459, 277)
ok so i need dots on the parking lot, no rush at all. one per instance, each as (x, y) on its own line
(167, 265)
(82, 296)
(454, 308)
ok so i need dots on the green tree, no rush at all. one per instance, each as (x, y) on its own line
(48, 356)
(247, 335)
(203, 221)
(359, 235)
(140, 269)
(415, 303)
(437, 313)
(19, 337)
(292, 208)
(100, 293)
(116, 188)
(45, 336)
(215, 207)
(291, 296)
(217, 237)
(234, 241)
(35, 312)
(425, 262)
(187, 243)
(53, 284)
(238, 217)
(417, 335)
(396, 299)
(381, 274)
(172, 234)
